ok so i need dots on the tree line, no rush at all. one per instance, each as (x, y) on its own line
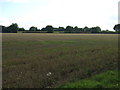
(13, 28)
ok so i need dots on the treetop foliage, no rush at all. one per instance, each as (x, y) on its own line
(13, 28)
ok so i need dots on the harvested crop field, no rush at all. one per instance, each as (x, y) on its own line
(33, 60)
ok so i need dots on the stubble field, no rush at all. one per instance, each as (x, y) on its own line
(50, 60)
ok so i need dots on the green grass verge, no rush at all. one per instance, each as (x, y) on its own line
(105, 80)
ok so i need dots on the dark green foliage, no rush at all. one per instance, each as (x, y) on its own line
(43, 29)
(3, 29)
(21, 29)
(76, 30)
(86, 29)
(95, 29)
(13, 28)
(60, 29)
(69, 29)
(38, 30)
(117, 28)
(33, 28)
(49, 29)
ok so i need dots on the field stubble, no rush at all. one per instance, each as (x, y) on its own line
(28, 58)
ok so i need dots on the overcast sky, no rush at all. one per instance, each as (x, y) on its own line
(39, 13)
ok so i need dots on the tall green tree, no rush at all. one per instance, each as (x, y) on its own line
(117, 28)
(13, 28)
(43, 29)
(49, 29)
(3, 29)
(95, 29)
(69, 29)
(33, 28)
(21, 29)
(86, 29)
(76, 29)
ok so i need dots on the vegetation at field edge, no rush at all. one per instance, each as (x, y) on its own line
(108, 79)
